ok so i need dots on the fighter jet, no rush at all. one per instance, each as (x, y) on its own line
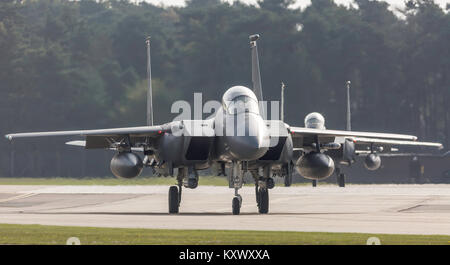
(350, 147)
(236, 136)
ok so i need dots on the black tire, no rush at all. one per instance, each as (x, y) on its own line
(263, 201)
(173, 199)
(192, 183)
(270, 183)
(236, 205)
(287, 180)
(288, 177)
(314, 183)
(341, 180)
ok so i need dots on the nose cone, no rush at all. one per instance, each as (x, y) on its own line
(247, 148)
(252, 144)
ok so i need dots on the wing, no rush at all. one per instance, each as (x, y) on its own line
(305, 137)
(437, 156)
(132, 131)
(104, 138)
(387, 142)
(304, 132)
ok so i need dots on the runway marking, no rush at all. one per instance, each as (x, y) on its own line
(95, 203)
(418, 203)
(18, 197)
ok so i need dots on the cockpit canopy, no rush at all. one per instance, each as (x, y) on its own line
(239, 99)
(315, 120)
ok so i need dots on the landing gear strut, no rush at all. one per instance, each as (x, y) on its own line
(236, 174)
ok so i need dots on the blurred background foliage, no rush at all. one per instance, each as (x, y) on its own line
(81, 65)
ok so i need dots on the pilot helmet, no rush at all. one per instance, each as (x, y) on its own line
(315, 120)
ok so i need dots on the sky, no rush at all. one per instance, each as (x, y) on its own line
(301, 3)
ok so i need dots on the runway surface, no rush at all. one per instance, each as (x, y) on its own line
(396, 209)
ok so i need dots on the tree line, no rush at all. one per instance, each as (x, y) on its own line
(81, 65)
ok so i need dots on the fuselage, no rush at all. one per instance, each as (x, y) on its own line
(240, 131)
(237, 132)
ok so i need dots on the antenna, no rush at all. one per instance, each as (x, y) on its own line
(256, 75)
(349, 121)
(149, 92)
(282, 102)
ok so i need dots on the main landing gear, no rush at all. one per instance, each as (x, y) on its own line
(175, 194)
(262, 199)
(340, 178)
(174, 199)
(287, 173)
(186, 177)
(262, 187)
(189, 179)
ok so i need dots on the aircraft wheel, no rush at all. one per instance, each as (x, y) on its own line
(287, 180)
(192, 183)
(263, 200)
(270, 183)
(314, 183)
(288, 176)
(341, 180)
(236, 204)
(257, 194)
(173, 199)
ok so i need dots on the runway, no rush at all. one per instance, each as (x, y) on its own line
(390, 209)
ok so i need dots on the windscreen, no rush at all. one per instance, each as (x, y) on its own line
(242, 104)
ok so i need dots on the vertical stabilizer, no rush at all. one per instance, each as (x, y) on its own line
(256, 76)
(282, 101)
(349, 115)
(149, 92)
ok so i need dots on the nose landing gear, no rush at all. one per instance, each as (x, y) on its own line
(238, 179)
(236, 204)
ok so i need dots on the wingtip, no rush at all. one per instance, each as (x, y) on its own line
(9, 137)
